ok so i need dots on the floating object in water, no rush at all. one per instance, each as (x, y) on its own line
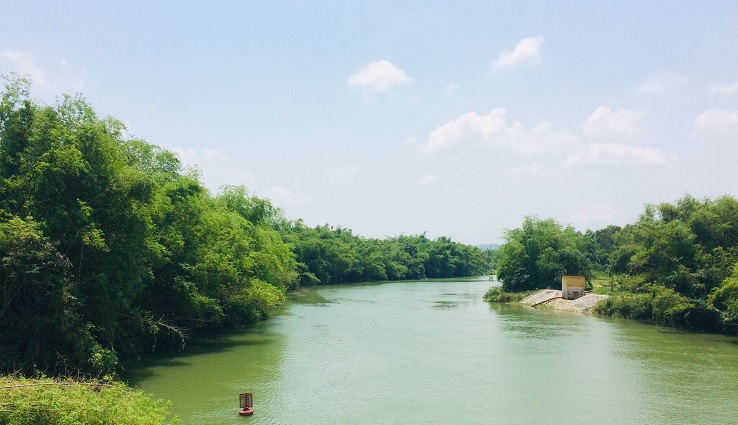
(246, 402)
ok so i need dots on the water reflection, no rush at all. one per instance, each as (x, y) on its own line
(524, 321)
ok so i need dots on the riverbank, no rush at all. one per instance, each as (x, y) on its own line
(552, 298)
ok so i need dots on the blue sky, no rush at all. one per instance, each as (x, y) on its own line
(402, 117)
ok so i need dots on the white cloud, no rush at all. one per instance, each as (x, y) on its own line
(492, 132)
(65, 77)
(661, 81)
(720, 120)
(605, 122)
(27, 65)
(427, 180)
(379, 76)
(526, 51)
(724, 88)
(469, 125)
(615, 154)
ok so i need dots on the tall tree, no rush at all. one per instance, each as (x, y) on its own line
(537, 254)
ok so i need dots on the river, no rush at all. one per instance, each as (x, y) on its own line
(432, 352)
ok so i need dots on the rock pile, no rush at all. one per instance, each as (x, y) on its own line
(552, 298)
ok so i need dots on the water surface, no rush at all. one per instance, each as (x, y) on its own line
(433, 352)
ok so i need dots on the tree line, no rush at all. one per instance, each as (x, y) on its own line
(677, 265)
(110, 248)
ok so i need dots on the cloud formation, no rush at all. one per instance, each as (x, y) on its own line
(379, 76)
(492, 132)
(604, 122)
(615, 154)
(471, 133)
(527, 51)
(27, 65)
(661, 81)
(465, 127)
(718, 120)
(724, 88)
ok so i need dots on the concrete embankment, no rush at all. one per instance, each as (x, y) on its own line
(552, 298)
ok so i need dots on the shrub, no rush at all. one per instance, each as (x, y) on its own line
(627, 305)
(669, 307)
(496, 294)
(48, 401)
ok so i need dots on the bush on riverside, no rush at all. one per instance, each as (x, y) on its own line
(496, 294)
(627, 305)
(50, 402)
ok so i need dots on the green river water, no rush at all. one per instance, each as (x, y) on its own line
(432, 352)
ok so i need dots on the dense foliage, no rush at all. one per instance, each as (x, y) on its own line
(329, 256)
(676, 266)
(496, 294)
(539, 253)
(109, 247)
(46, 401)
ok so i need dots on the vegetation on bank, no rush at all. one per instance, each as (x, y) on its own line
(496, 294)
(333, 256)
(676, 266)
(53, 401)
(110, 248)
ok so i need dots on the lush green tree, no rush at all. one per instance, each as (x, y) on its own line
(537, 254)
(599, 245)
(35, 293)
(725, 299)
(683, 253)
(689, 246)
(121, 248)
(62, 167)
(330, 255)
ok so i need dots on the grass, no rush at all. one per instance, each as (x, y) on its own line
(602, 285)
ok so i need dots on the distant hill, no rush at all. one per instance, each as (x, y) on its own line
(489, 246)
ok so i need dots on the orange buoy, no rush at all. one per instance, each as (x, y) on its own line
(246, 412)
